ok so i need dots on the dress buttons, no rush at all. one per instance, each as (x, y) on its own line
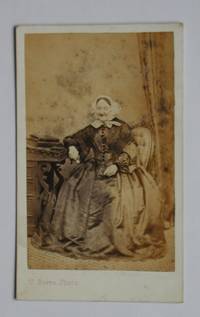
(102, 131)
(103, 144)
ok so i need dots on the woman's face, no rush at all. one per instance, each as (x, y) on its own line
(103, 109)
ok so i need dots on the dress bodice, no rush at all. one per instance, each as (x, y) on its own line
(106, 143)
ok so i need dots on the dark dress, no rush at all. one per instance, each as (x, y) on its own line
(96, 215)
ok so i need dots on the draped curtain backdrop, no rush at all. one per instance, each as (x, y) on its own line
(157, 67)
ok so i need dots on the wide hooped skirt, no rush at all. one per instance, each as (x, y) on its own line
(101, 216)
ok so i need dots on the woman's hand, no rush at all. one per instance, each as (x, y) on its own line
(74, 154)
(111, 170)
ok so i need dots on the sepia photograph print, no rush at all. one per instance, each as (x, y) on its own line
(99, 162)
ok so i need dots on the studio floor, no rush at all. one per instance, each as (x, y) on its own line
(42, 259)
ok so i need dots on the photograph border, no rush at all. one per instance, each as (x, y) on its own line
(109, 285)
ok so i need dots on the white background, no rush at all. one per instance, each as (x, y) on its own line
(17, 12)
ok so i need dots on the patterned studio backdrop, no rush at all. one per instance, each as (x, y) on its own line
(66, 72)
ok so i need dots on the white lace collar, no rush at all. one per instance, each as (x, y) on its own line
(108, 123)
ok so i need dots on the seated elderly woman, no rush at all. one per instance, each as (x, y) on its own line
(109, 204)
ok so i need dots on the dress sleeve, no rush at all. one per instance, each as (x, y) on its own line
(125, 135)
(81, 140)
(125, 158)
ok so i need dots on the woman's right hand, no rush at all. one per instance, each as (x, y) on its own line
(74, 153)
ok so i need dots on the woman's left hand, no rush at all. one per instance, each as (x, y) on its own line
(111, 170)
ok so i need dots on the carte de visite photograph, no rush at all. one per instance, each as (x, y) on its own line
(99, 155)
